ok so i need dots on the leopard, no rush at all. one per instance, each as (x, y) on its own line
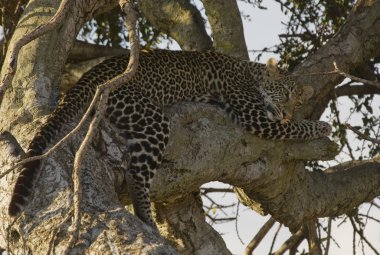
(260, 98)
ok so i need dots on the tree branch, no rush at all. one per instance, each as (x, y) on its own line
(259, 236)
(227, 27)
(352, 90)
(361, 135)
(312, 238)
(354, 78)
(180, 20)
(82, 51)
(182, 222)
(11, 65)
(353, 45)
(294, 239)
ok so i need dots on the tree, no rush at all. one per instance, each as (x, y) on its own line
(268, 176)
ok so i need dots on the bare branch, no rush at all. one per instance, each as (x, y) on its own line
(216, 190)
(350, 90)
(354, 78)
(274, 238)
(328, 236)
(361, 135)
(259, 236)
(359, 231)
(300, 234)
(180, 20)
(354, 44)
(312, 238)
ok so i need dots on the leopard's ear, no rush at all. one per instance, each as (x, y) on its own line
(271, 71)
(307, 92)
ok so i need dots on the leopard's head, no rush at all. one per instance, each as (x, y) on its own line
(282, 96)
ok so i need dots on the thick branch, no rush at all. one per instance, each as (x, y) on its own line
(183, 223)
(322, 194)
(352, 90)
(227, 27)
(82, 51)
(180, 20)
(353, 45)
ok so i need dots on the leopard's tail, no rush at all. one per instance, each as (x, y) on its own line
(73, 104)
(70, 107)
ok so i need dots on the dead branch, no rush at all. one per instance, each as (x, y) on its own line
(359, 231)
(11, 67)
(295, 238)
(328, 236)
(216, 190)
(312, 238)
(354, 78)
(274, 238)
(259, 236)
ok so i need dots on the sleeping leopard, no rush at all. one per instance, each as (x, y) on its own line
(259, 98)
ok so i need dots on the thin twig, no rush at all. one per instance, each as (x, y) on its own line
(104, 89)
(360, 233)
(274, 238)
(328, 236)
(259, 236)
(354, 78)
(11, 65)
(215, 190)
(361, 135)
(236, 223)
(369, 217)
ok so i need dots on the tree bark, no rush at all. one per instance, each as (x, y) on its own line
(180, 20)
(227, 27)
(34, 93)
(353, 45)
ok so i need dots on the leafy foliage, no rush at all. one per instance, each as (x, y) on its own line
(310, 25)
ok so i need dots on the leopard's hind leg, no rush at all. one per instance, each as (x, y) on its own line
(147, 132)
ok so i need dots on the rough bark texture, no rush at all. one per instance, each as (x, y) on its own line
(179, 19)
(106, 226)
(227, 27)
(204, 147)
(183, 222)
(355, 43)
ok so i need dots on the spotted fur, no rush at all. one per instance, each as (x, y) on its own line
(259, 103)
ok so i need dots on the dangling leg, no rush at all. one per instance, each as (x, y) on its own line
(147, 133)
